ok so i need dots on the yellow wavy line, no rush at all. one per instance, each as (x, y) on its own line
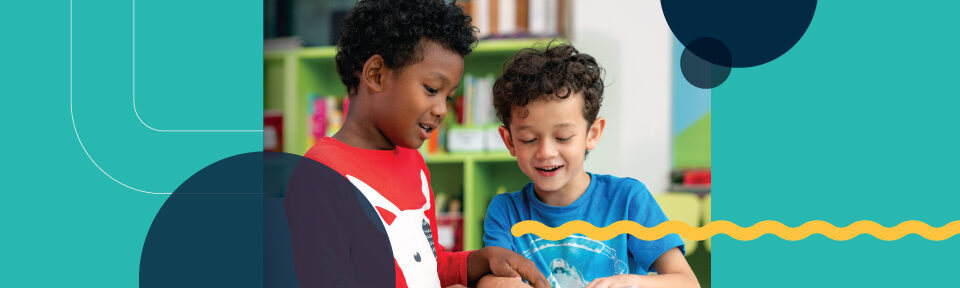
(737, 232)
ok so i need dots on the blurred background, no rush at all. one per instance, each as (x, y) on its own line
(658, 125)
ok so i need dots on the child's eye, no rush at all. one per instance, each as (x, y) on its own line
(564, 139)
(430, 90)
(449, 99)
(528, 141)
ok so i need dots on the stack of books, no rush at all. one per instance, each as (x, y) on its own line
(516, 18)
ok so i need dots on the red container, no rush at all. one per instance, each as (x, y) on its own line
(272, 131)
(697, 177)
(450, 231)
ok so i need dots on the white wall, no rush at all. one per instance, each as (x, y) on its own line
(632, 41)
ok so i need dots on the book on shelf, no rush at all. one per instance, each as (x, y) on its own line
(516, 18)
(478, 100)
(324, 116)
(476, 127)
(480, 14)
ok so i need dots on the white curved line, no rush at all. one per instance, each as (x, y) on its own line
(75, 122)
(134, 92)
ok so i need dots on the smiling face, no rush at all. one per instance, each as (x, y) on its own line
(550, 143)
(412, 101)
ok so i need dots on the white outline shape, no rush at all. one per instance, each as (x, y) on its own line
(134, 76)
(75, 122)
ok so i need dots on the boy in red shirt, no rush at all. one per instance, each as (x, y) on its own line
(401, 61)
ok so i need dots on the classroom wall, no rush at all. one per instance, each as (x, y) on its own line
(632, 41)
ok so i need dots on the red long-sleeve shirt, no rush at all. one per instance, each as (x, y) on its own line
(397, 183)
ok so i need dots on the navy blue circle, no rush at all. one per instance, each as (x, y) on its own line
(701, 73)
(755, 32)
(267, 219)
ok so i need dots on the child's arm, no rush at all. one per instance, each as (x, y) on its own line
(491, 281)
(502, 262)
(672, 271)
(491, 260)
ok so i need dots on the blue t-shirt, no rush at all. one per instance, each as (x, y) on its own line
(577, 260)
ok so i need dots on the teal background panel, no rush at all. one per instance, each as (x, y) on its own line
(853, 123)
(65, 223)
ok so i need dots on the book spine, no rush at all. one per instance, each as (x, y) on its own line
(523, 14)
(507, 17)
(481, 16)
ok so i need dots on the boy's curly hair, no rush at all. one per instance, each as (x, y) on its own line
(393, 29)
(558, 71)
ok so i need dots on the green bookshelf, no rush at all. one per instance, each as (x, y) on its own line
(475, 178)
(290, 77)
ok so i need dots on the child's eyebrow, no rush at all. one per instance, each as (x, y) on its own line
(561, 125)
(442, 77)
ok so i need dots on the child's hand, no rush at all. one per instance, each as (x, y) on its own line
(504, 263)
(491, 281)
(617, 281)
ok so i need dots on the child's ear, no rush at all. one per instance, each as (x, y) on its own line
(594, 132)
(373, 73)
(505, 135)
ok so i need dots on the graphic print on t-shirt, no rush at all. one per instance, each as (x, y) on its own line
(574, 261)
(408, 231)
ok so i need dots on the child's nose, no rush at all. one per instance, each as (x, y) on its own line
(439, 110)
(546, 150)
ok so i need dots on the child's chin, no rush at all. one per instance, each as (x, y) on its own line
(547, 186)
(415, 144)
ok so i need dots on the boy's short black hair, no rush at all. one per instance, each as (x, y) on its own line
(558, 71)
(393, 29)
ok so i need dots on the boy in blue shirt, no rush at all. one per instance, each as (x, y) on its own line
(548, 101)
